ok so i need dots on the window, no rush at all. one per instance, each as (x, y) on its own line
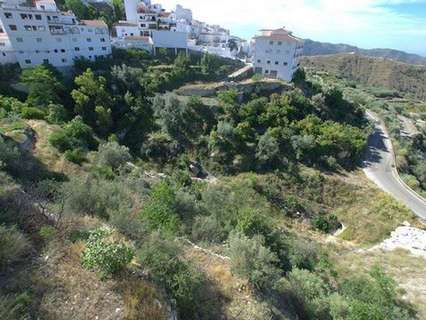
(271, 42)
(89, 40)
(90, 30)
(268, 62)
(277, 63)
(1, 30)
(64, 60)
(19, 40)
(39, 40)
(132, 34)
(24, 16)
(102, 39)
(259, 61)
(13, 27)
(37, 51)
(77, 49)
(90, 48)
(62, 50)
(38, 16)
(28, 28)
(27, 61)
(280, 43)
(56, 50)
(8, 15)
(4, 54)
(45, 60)
(49, 18)
(34, 28)
(104, 48)
(266, 71)
(2, 44)
(285, 63)
(41, 28)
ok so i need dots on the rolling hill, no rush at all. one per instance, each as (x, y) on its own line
(315, 48)
(405, 78)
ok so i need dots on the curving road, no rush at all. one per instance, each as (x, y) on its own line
(379, 166)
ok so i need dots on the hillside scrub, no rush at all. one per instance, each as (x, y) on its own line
(127, 223)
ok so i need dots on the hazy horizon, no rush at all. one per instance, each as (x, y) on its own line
(368, 24)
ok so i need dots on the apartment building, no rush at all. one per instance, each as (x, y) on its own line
(36, 33)
(276, 53)
(150, 27)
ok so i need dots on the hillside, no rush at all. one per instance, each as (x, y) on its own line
(316, 48)
(128, 192)
(403, 78)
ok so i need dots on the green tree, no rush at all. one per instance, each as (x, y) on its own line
(78, 8)
(43, 86)
(92, 101)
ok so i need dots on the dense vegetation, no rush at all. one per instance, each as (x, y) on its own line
(132, 225)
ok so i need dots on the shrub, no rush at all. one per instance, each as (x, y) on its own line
(373, 296)
(61, 141)
(326, 223)
(75, 135)
(104, 254)
(94, 197)
(15, 307)
(13, 245)
(208, 228)
(56, 113)
(9, 155)
(309, 293)
(250, 259)
(47, 232)
(162, 259)
(159, 211)
(303, 254)
(32, 113)
(77, 156)
(113, 155)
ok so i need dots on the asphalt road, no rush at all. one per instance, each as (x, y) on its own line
(379, 166)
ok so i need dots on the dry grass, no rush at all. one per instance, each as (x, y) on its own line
(231, 294)
(368, 214)
(406, 269)
(47, 154)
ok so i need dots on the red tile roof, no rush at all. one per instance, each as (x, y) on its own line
(95, 23)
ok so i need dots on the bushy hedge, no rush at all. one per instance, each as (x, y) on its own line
(104, 254)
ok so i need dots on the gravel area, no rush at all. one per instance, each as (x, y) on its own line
(408, 238)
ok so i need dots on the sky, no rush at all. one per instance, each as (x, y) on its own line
(396, 24)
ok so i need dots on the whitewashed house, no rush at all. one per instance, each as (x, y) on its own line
(37, 33)
(276, 54)
(150, 27)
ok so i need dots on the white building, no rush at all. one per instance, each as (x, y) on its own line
(276, 54)
(146, 20)
(40, 33)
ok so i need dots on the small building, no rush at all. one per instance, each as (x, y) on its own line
(37, 33)
(276, 54)
(148, 25)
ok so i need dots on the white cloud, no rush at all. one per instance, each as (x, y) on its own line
(368, 23)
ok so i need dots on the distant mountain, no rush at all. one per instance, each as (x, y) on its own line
(374, 72)
(315, 48)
